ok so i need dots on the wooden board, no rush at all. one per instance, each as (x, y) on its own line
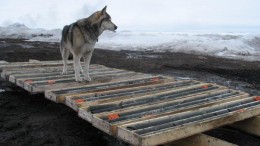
(151, 99)
(69, 81)
(32, 64)
(6, 73)
(119, 83)
(158, 109)
(121, 94)
(2, 62)
(40, 79)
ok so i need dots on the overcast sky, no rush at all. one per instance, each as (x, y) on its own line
(152, 15)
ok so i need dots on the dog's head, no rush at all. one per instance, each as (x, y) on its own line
(104, 20)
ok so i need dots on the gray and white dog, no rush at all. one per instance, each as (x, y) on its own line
(80, 38)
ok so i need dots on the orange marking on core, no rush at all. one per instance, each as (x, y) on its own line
(28, 81)
(113, 116)
(51, 81)
(147, 116)
(241, 110)
(257, 98)
(155, 79)
(79, 100)
(205, 87)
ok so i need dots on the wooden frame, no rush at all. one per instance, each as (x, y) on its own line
(63, 89)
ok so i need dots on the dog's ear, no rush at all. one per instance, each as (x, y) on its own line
(103, 11)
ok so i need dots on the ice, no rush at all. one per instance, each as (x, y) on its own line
(243, 46)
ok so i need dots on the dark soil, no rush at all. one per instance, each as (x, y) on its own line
(32, 120)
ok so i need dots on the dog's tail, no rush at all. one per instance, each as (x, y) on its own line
(64, 37)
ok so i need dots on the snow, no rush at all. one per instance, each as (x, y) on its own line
(227, 45)
(243, 46)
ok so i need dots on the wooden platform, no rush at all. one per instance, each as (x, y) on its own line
(141, 109)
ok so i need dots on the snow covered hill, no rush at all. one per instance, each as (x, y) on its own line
(245, 46)
(18, 30)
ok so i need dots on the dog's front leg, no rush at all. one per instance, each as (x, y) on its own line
(87, 58)
(77, 67)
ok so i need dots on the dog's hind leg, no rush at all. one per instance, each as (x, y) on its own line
(76, 59)
(64, 48)
(65, 55)
(87, 58)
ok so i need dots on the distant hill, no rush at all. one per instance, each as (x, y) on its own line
(18, 30)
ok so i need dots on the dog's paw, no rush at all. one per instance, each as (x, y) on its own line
(88, 79)
(64, 73)
(79, 79)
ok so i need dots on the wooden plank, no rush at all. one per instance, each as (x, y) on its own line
(111, 128)
(32, 64)
(70, 77)
(200, 140)
(3, 62)
(84, 110)
(85, 115)
(121, 94)
(48, 70)
(154, 96)
(194, 127)
(251, 126)
(43, 77)
(42, 86)
(7, 72)
(58, 95)
(148, 78)
(197, 98)
(34, 61)
(107, 103)
(51, 68)
(60, 98)
(163, 103)
(35, 64)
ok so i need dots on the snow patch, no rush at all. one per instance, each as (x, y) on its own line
(2, 90)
